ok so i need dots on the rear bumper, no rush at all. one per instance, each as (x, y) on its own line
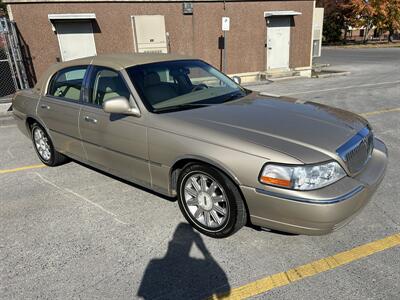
(321, 211)
(20, 120)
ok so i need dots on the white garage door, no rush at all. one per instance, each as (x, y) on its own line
(76, 39)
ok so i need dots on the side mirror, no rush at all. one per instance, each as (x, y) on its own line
(120, 105)
(237, 79)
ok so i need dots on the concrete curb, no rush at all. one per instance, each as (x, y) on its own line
(6, 117)
(332, 74)
(271, 80)
(367, 46)
(287, 78)
(318, 65)
(6, 120)
(5, 100)
(254, 83)
(327, 74)
(4, 107)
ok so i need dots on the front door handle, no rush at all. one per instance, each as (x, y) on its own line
(45, 106)
(91, 120)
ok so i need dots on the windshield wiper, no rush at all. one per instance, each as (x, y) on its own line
(181, 106)
(233, 96)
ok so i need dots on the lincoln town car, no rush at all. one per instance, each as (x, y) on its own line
(230, 156)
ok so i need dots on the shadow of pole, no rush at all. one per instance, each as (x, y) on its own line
(179, 276)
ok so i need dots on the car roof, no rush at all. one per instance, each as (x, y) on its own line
(114, 61)
(122, 61)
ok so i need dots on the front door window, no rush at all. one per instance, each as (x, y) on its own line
(106, 84)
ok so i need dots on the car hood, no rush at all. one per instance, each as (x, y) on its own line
(307, 131)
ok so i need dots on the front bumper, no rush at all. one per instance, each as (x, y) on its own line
(320, 211)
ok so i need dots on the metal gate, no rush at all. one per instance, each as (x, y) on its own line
(12, 69)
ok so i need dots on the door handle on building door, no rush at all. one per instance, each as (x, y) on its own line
(91, 120)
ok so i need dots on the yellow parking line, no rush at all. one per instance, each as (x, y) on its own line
(377, 112)
(22, 169)
(281, 279)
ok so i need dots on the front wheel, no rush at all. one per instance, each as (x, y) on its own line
(44, 147)
(210, 201)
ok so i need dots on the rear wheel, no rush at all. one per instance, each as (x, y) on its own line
(210, 201)
(44, 147)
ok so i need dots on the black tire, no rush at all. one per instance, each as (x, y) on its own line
(55, 158)
(235, 208)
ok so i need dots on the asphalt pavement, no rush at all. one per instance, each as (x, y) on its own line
(74, 232)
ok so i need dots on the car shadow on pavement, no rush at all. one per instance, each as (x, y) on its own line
(180, 276)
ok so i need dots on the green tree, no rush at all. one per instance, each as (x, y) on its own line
(337, 20)
(333, 21)
(332, 30)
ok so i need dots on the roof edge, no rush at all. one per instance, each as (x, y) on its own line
(100, 1)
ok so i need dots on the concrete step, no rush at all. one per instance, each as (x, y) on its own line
(279, 74)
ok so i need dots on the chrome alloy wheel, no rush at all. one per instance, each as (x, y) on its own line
(42, 144)
(206, 200)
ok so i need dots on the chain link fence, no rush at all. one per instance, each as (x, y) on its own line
(13, 74)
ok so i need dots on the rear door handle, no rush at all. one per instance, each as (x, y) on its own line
(91, 120)
(45, 106)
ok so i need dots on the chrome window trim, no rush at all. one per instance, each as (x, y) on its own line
(54, 76)
(134, 95)
(90, 80)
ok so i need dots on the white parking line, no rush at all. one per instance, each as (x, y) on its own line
(66, 190)
(344, 88)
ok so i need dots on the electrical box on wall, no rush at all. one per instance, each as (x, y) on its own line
(187, 8)
(318, 21)
(149, 34)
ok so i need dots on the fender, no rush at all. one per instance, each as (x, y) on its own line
(210, 161)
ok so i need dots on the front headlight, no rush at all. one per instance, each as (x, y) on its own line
(304, 177)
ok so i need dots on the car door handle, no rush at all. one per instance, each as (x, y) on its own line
(91, 120)
(45, 106)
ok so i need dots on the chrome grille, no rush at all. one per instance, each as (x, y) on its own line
(357, 151)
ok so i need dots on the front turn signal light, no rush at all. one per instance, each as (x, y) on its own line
(275, 181)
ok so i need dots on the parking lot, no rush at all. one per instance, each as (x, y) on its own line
(74, 232)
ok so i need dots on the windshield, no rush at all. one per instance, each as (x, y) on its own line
(182, 84)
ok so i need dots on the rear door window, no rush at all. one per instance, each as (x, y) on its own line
(67, 83)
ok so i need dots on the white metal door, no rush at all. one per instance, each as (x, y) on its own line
(76, 39)
(278, 42)
(149, 34)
